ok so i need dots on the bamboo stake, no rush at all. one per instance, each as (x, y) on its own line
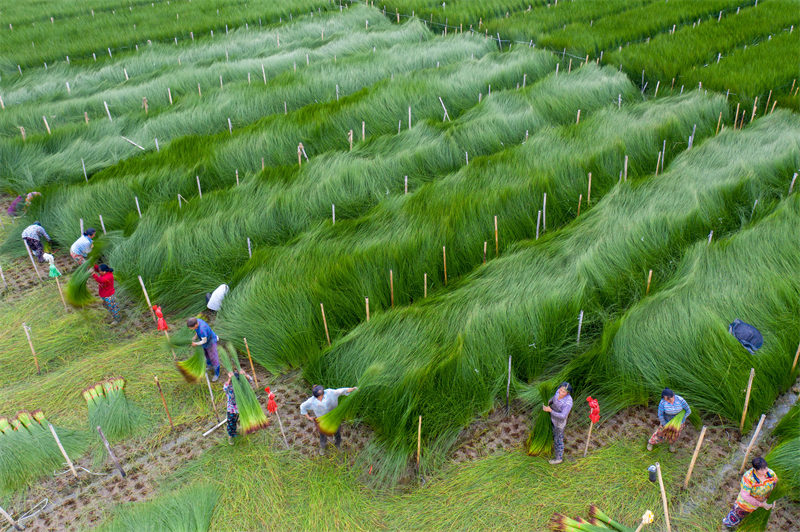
(719, 121)
(211, 395)
(324, 323)
(588, 438)
(694, 457)
(538, 221)
(774, 103)
(580, 326)
(663, 497)
(578, 119)
(794, 364)
(625, 170)
(5, 284)
(109, 112)
(752, 442)
(14, 524)
(589, 191)
(544, 212)
(508, 384)
(736, 117)
(658, 163)
(769, 97)
(63, 452)
(102, 224)
(26, 328)
(747, 398)
(46, 125)
(83, 165)
(496, 238)
(60, 293)
(755, 108)
(484, 251)
(138, 209)
(147, 298)
(366, 304)
(22, 132)
(419, 440)
(391, 289)
(215, 427)
(444, 261)
(199, 188)
(164, 402)
(649, 278)
(580, 199)
(30, 255)
(350, 139)
(252, 367)
(110, 452)
(169, 94)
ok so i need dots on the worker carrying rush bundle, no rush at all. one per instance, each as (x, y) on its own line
(32, 235)
(104, 275)
(670, 406)
(206, 338)
(756, 486)
(559, 407)
(80, 248)
(324, 400)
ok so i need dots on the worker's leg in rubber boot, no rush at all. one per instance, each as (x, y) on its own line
(337, 438)
(233, 420)
(656, 438)
(558, 445)
(323, 443)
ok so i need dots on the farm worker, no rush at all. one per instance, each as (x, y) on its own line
(559, 407)
(104, 276)
(32, 235)
(756, 486)
(214, 299)
(233, 410)
(205, 337)
(669, 406)
(324, 400)
(80, 248)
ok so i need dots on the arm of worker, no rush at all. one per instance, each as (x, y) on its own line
(305, 406)
(201, 341)
(44, 233)
(661, 419)
(344, 391)
(685, 406)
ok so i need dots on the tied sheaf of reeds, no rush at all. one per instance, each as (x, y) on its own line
(784, 458)
(194, 365)
(188, 509)
(76, 291)
(251, 415)
(673, 426)
(28, 449)
(598, 521)
(526, 304)
(110, 410)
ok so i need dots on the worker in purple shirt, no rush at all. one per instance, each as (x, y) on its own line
(206, 338)
(559, 407)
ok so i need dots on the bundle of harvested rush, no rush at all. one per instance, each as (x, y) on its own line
(562, 523)
(193, 367)
(540, 440)
(596, 513)
(28, 450)
(76, 292)
(329, 423)
(673, 427)
(109, 408)
(251, 415)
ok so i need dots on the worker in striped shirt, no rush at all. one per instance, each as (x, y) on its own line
(32, 235)
(669, 406)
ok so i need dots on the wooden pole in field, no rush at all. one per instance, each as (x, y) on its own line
(169, 94)
(109, 112)
(363, 131)
(164, 402)
(625, 170)
(391, 287)
(199, 188)
(658, 163)
(46, 125)
(538, 222)
(110, 452)
(425, 291)
(508, 384)
(5, 284)
(419, 440)
(30, 255)
(22, 132)
(102, 224)
(755, 108)
(27, 330)
(325, 323)
(794, 364)
(719, 121)
(63, 452)
(736, 116)
(211, 395)
(252, 367)
(580, 199)
(60, 293)
(350, 139)
(147, 298)
(752, 442)
(769, 97)
(663, 497)
(589, 191)
(138, 209)
(444, 261)
(580, 325)
(588, 439)
(366, 305)
(694, 457)
(649, 278)
(747, 398)
(578, 119)
(8, 518)
(496, 238)
(544, 212)
(484, 251)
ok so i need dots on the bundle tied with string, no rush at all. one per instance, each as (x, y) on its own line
(28, 450)
(540, 440)
(673, 427)
(109, 408)
(191, 368)
(251, 415)
(76, 292)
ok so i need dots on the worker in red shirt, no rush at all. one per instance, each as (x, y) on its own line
(104, 276)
